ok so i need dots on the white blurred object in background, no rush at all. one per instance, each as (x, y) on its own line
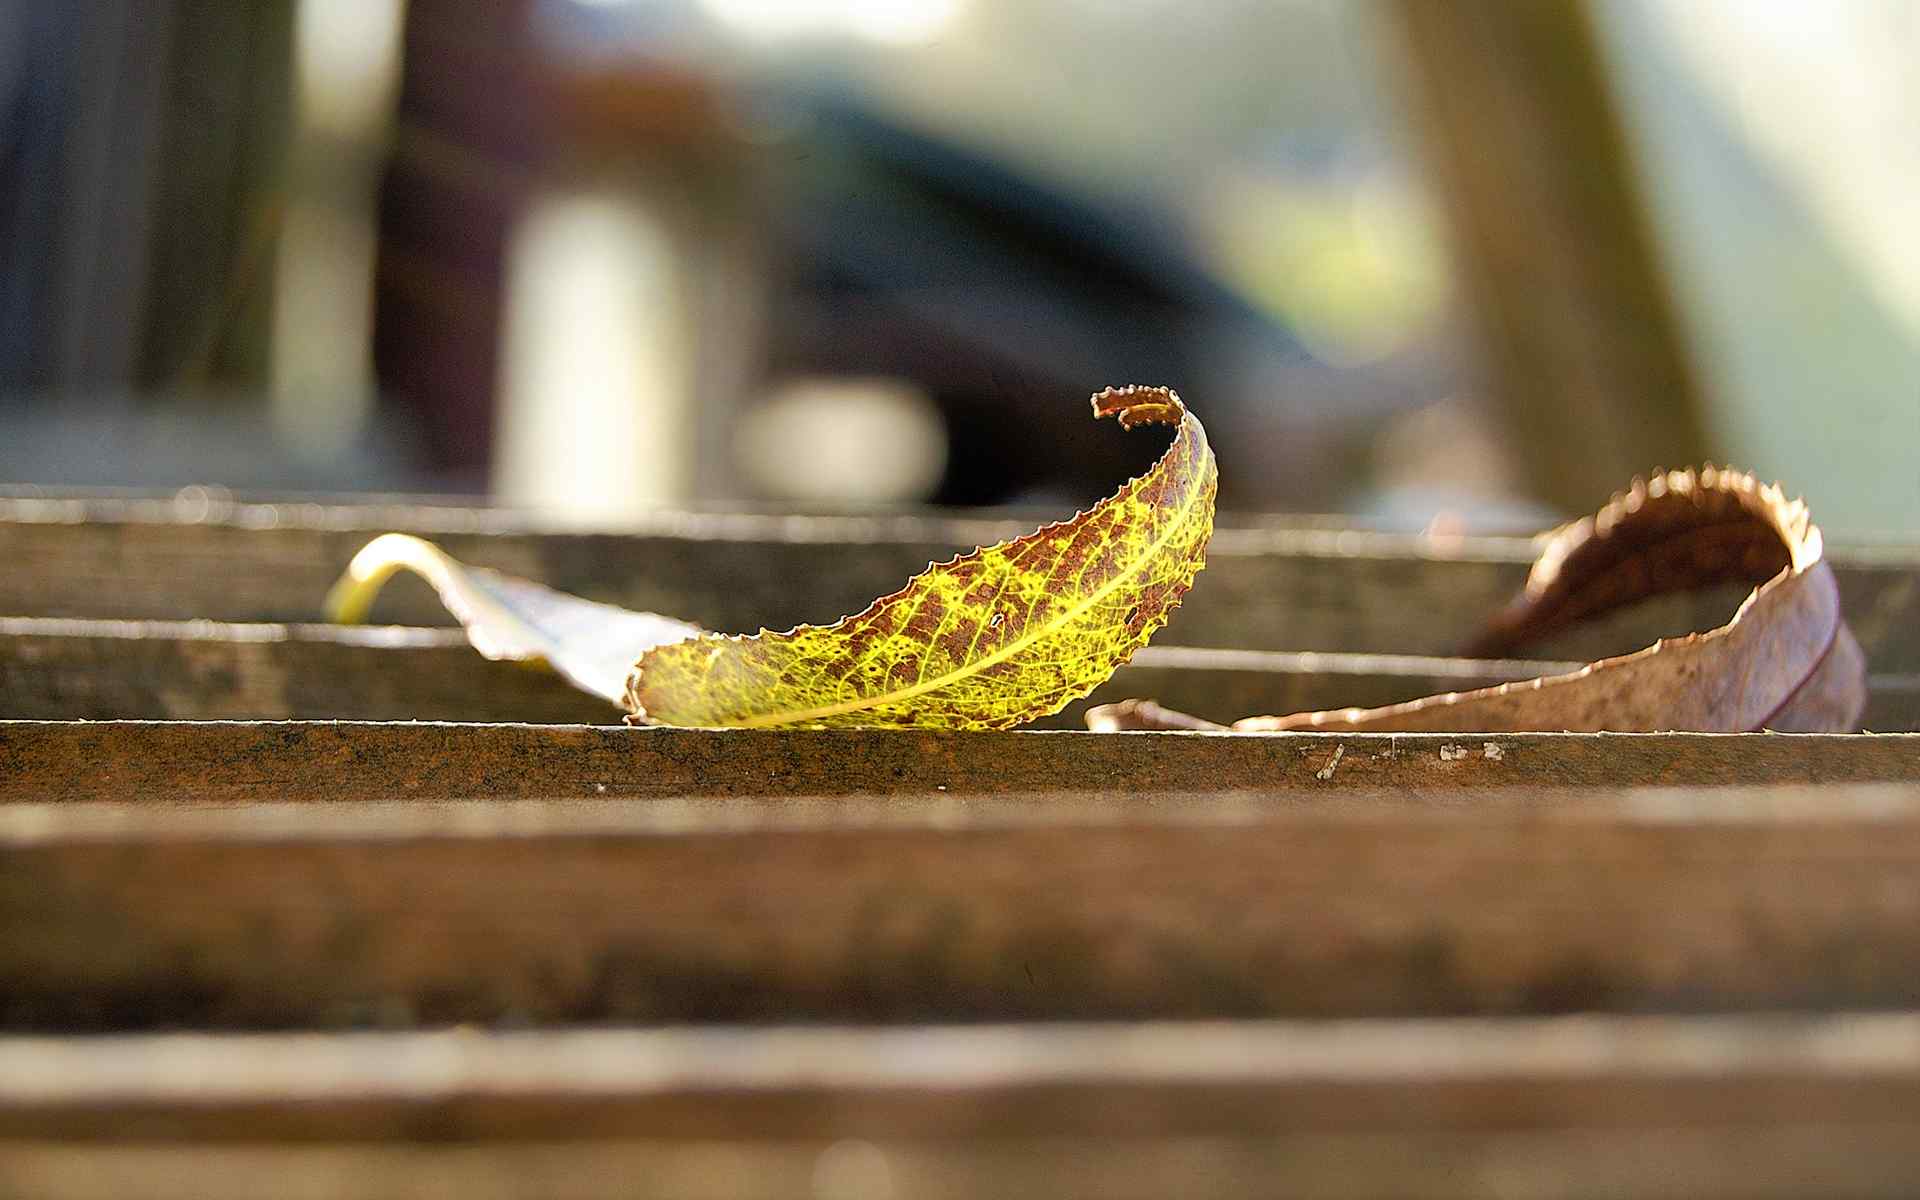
(594, 388)
(843, 441)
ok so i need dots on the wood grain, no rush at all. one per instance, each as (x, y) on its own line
(953, 906)
(1737, 1162)
(58, 669)
(175, 764)
(1787, 1106)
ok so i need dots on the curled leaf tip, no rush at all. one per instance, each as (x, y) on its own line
(1139, 404)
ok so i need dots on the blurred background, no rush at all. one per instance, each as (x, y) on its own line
(1416, 261)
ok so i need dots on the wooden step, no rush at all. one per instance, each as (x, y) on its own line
(171, 764)
(1640, 1106)
(915, 878)
(66, 669)
(1273, 586)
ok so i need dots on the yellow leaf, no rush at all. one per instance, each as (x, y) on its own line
(1003, 635)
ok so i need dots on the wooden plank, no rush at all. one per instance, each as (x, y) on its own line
(175, 764)
(1589, 363)
(743, 1082)
(202, 670)
(948, 906)
(1276, 587)
(1578, 1107)
(61, 669)
(1699, 1163)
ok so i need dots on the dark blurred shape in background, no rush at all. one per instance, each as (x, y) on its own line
(1411, 260)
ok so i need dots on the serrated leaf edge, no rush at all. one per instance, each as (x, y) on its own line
(1189, 427)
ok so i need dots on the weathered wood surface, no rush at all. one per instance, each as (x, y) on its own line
(61, 669)
(1282, 586)
(183, 763)
(948, 906)
(1701, 1162)
(56, 669)
(1573, 1106)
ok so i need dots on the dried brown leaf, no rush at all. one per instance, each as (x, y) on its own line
(1786, 661)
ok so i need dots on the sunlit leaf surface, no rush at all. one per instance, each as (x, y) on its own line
(1003, 635)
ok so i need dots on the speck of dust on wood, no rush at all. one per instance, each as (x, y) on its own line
(1326, 772)
(1491, 751)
